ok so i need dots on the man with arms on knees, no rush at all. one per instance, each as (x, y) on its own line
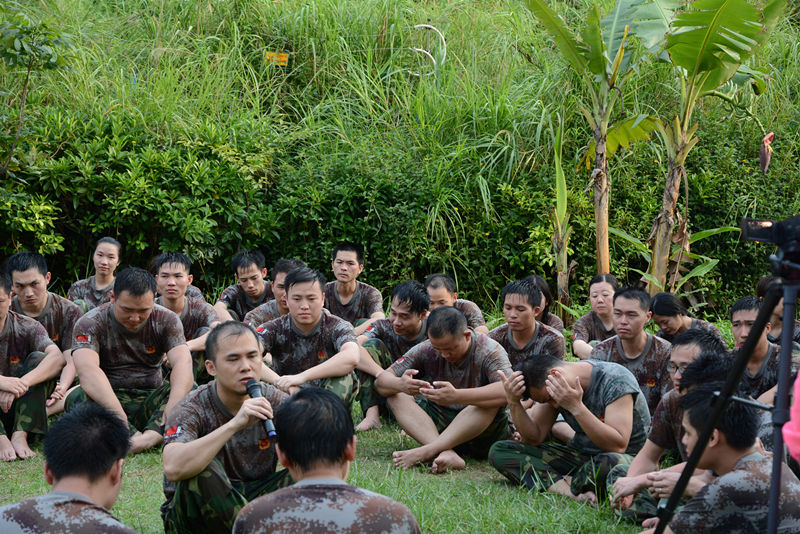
(522, 335)
(442, 291)
(645, 355)
(316, 443)
(358, 303)
(251, 290)
(602, 403)
(215, 445)
(118, 353)
(84, 452)
(461, 407)
(386, 340)
(636, 488)
(172, 272)
(310, 346)
(29, 361)
(276, 307)
(737, 501)
(29, 281)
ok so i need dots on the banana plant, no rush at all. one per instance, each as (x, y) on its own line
(560, 220)
(708, 43)
(600, 55)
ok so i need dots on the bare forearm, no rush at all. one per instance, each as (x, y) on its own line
(366, 363)
(180, 382)
(360, 329)
(48, 368)
(581, 349)
(185, 460)
(482, 329)
(646, 461)
(268, 375)
(96, 386)
(488, 396)
(603, 435)
(388, 384)
(222, 311)
(339, 365)
(531, 432)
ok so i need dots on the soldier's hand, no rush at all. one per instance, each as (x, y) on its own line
(662, 483)
(514, 386)
(568, 396)
(442, 393)
(6, 400)
(58, 393)
(287, 382)
(252, 411)
(411, 385)
(15, 386)
(624, 490)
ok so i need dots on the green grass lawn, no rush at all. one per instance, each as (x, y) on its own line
(475, 500)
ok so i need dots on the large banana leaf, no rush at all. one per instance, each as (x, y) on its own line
(650, 19)
(624, 133)
(714, 37)
(564, 39)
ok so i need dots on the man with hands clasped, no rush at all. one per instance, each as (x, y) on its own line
(217, 454)
(602, 403)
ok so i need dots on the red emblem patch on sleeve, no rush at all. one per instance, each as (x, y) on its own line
(651, 383)
(264, 444)
(13, 360)
(150, 350)
(171, 431)
(400, 359)
(260, 329)
(54, 337)
(83, 338)
(369, 328)
(321, 355)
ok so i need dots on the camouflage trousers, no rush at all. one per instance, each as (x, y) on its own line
(345, 387)
(477, 447)
(542, 466)
(144, 407)
(210, 501)
(644, 504)
(368, 396)
(29, 413)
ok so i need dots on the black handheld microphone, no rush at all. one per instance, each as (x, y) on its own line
(254, 390)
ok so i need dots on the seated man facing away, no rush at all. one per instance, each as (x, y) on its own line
(386, 340)
(522, 335)
(637, 488)
(29, 364)
(29, 281)
(118, 353)
(602, 403)
(316, 443)
(460, 403)
(276, 307)
(357, 303)
(215, 445)
(173, 277)
(251, 290)
(737, 501)
(310, 346)
(84, 452)
(645, 355)
(442, 290)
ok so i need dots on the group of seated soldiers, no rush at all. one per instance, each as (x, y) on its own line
(146, 347)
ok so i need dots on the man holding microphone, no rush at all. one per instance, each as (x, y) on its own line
(218, 455)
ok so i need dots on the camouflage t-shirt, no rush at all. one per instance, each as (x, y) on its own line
(196, 314)
(666, 427)
(554, 321)
(293, 352)
(59, 511)
(795, 334)
(239, 301)
(58, 317)
(590, 328)
(700, 325)
(365, 301)
(649, 367)
(247, 455)
(263, 314)
(545, 340)
(396, 345)
(325, 506)
(767, 375)
(479, 368)
(738, 501)
(20, 336)
(193, 292)
(471, 311)
(609, 382)
(129, 359)
(87, 291)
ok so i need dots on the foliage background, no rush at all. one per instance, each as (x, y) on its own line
(171, 130)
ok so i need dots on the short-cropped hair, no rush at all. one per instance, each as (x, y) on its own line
(446, 320)
(412, 293)
(25, 260)
(314, 427)
(709, 366)
(349, 246)
(535, 369)
(706, 341)
(245, 258)
(135, 281)
(286, 265)
(748, 303)
(176, 258)
(302, 275)
(86, 441)
(228, 328)
(525, 288)
(739, 422)
(5, 282)
(437, 280)
(632, 293)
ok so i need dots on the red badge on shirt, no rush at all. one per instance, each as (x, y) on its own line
(651, 382)
(260, 329)
(150, 350)
(321, 355)
(83, 338)
(54, 337)
(171, 431)
(13, 360)
(400, 359)
(369, 328)
(264, 444)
